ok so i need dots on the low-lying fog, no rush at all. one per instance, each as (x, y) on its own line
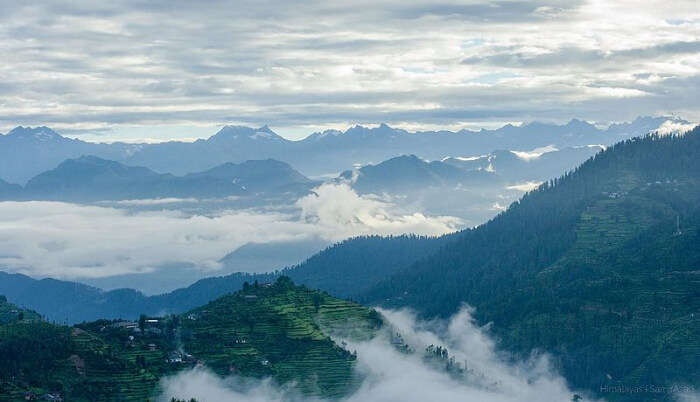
(479, 373)
(98, 242)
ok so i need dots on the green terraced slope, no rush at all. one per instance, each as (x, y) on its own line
(278, 330)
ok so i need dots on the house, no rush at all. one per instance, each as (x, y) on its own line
(53, 397)
(250, 297)
(125, 324)
(152, 347)
(175, 357)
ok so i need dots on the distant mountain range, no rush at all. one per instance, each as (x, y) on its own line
(409, 173)
(537, 164)
(89, 178)
(26, 152)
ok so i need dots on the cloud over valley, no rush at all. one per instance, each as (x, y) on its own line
(86, 241)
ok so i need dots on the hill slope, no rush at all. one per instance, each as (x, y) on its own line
(590, 267)
(9, 190)
(266, 176)
(9, 313)
(346, 269)
(278, 331)
(410, 173)
(90, 178)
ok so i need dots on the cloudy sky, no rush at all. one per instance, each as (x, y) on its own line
(177, 69)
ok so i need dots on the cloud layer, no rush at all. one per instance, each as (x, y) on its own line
(140, 68)
(77, 241)
(390, 375)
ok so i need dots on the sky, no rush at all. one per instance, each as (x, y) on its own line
(155, 70)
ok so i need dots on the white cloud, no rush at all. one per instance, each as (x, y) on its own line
(525, 187)
(154, 201)
(77, 241)
(496, 206)
(535, 153)
(336, 210)
(687, 394)
(674, 127)
(390, 375)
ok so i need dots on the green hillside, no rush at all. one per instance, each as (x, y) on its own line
(591, 267)
(9, 313)
(278, 330)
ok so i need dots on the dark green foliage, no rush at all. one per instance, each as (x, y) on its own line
(353, 266)
(10, 313)
(277, 330)
(588, 267)
(30, 351)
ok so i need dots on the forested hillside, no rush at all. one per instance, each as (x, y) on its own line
(278, 331)
(599, 267)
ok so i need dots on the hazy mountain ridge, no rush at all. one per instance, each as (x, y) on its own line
(409, 173)
(537, 164)
(26, 152)
(90, 178)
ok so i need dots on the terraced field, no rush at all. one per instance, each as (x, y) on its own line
(279, 330)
